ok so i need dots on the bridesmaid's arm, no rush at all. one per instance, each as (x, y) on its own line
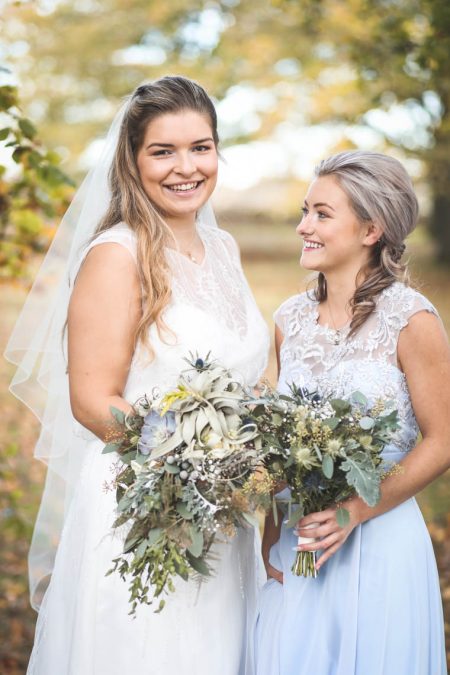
(424, 357)
(270, 537)
(104, 312)
(272, 531)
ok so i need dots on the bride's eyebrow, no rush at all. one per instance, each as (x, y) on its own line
(171, 145)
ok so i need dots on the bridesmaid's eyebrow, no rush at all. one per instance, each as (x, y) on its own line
(320, 204)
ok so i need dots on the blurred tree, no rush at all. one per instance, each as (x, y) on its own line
(378, 63)
(30, 194)
(381, 63)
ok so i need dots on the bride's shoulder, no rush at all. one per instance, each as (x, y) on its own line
(120, 233)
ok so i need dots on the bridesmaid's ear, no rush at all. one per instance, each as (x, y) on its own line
(373, 234)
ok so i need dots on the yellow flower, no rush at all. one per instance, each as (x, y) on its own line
(366, 441)
(334, 447)
(305, 458)
(172, 396)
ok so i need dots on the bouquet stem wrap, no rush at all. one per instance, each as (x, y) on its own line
(305, 561)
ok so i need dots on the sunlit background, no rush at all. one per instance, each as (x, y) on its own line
(293, 81)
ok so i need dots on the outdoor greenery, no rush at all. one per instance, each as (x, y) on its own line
(350, 64)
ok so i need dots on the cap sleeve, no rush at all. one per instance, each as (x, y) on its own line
(410, 303)
(118, 234)
(285, 315)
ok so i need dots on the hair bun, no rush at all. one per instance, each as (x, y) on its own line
(396, 252)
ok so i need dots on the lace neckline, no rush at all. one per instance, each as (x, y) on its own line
(203, 239)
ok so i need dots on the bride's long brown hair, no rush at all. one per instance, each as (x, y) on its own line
(129, 201)
(380, 191)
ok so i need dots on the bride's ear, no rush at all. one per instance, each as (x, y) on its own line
(373, 234)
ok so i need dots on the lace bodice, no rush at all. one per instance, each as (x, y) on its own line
(366, 361)
(211, 310)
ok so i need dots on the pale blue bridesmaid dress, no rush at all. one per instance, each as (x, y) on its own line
(375, 608)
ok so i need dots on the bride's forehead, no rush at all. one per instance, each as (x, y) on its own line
(180, 127)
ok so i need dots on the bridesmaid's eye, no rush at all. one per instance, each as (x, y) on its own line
(304, 211)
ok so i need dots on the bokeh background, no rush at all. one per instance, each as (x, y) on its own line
(293, 80)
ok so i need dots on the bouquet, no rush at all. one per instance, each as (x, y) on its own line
(184, 460)
(326, 450)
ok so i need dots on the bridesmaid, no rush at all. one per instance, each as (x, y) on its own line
(375, 607)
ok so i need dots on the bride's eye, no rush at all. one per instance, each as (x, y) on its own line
(304, 211)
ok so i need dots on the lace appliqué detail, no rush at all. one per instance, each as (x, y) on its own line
(217, 286)
(366, 361)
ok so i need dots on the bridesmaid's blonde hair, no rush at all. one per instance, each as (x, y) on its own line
(129, 201)
(379, 191)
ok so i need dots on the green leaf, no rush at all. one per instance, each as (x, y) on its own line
(358, 397)
(251, 519)
(342, 517)
(340, 406)
(154, 536)
(332, 422)
(366, 423)
(4, 133)
(111, 447)
(363, 476)
(171, 468)
(118, 415)
(328, 466)
(27, 128)
(198, 564)
(183, 510)
(295, 517)
(196, 546)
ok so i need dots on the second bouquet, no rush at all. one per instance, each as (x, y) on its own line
(185, 458)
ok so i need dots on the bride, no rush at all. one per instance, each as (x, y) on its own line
(151, 278)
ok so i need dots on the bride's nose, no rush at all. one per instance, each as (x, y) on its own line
(185, 164)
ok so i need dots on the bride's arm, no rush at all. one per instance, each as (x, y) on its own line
(104, 311)
(424, 356)
(272, 530)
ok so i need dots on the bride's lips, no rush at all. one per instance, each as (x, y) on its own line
(185, 189)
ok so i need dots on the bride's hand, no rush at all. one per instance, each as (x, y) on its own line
(331, 536)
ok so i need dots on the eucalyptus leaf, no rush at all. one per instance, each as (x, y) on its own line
(251, 519)
(358, 397)
(332, 422)
(171, 468)
(198, 564)
(196, 546)
(295, 517)
(340, 406)
(154, 536)
(366, 423)
(111, 447)
(118, 414)
(328, 466)
(342, 517)
(184, 512)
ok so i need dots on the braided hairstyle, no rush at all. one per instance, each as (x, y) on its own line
(379, 191)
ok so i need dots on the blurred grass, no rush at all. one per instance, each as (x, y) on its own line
(270, 256)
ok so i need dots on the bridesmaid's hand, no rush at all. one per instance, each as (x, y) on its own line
(331, 535)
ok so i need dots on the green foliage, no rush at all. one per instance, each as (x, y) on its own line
(31, 195)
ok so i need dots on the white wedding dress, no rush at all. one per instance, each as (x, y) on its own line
(83, 627)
